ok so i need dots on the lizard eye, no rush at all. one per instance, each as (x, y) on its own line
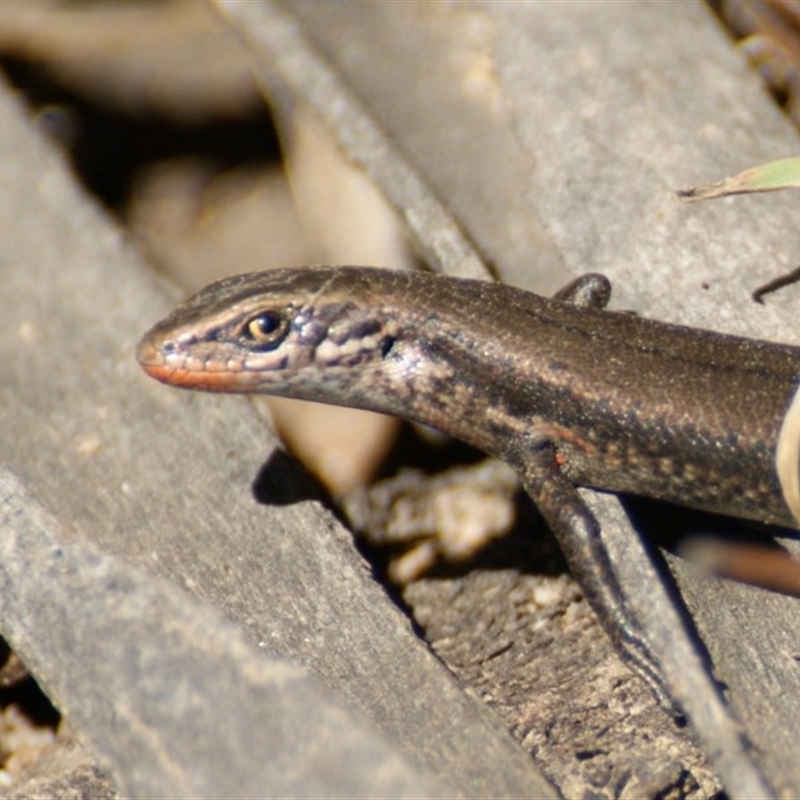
(266, 330)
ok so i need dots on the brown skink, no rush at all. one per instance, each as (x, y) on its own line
(565, 392)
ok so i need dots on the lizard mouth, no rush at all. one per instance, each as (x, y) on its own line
(206, 376)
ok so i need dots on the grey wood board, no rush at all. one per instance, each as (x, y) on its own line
(163, 479)
(166, 690)
(602, 117)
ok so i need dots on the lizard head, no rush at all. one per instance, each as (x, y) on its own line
(305, 333)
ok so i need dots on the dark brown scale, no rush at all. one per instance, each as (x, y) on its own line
(566, 394)
(709, 402)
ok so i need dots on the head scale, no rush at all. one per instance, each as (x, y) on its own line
(293, 332)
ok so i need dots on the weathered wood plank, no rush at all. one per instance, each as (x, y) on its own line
(169, 693)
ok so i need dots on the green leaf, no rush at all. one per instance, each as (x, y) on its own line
(782, 174)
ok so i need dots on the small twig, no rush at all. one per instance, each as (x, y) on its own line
(775, 284)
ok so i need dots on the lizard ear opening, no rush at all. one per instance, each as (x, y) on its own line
(387, 344)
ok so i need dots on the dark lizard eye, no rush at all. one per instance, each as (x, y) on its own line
(266, 330)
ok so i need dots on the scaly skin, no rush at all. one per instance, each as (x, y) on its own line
(565, 393)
